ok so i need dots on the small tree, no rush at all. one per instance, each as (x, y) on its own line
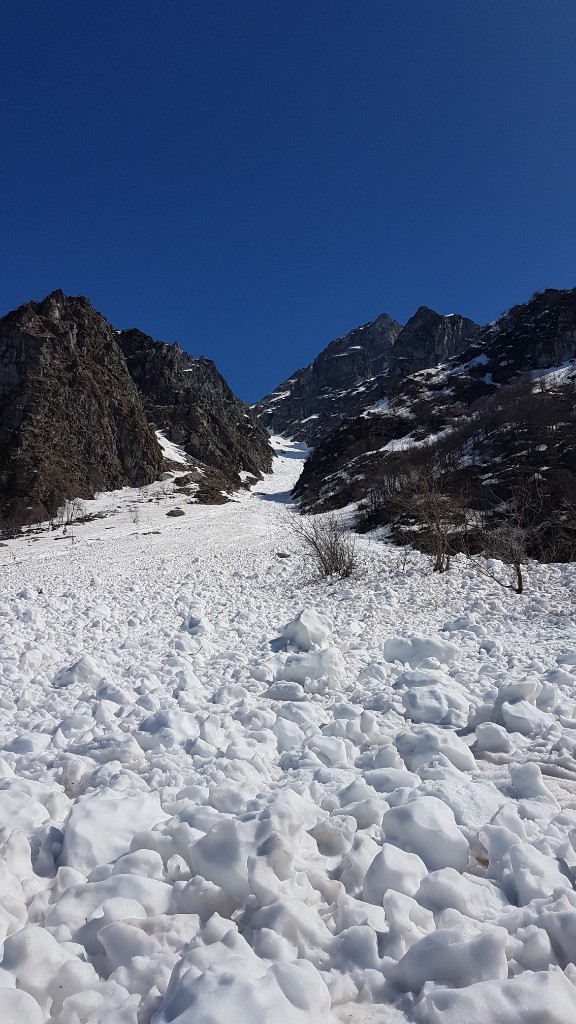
(333, 548)
(425, 498)
(512, 531)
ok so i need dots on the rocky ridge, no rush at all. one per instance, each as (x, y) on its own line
(359, 370)
(71, 418)
(190, 401)
(503, 409)
(79, 416)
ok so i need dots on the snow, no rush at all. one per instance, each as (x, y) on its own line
(308, 630)
(553, 376)
(172, 452)
(227, 793)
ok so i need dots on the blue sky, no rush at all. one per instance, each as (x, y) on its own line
(253, 178)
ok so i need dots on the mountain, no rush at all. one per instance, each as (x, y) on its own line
(192, 404)
(426, 339)
(79, 416)
(501, 412)
(358, 370)
(71, 418)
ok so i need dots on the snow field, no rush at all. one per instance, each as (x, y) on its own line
(227, 794)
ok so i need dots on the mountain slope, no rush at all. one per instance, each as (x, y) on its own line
(313, 400)
(71, 419)
(503, 409)
(191, 402)
(358, 370)
(80, 403)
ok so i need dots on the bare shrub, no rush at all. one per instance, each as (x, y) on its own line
(423, 505)
(512, 530)
(333, 548)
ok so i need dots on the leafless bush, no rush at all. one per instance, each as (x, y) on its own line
(333, 548)
(512, 531)
(422, 500)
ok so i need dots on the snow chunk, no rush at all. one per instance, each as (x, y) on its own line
(285, 691)
(525, 718)
(86, 671)
(432, 696)
(426, 826)
(286, 993)
(309, 630)
(313, 666)
(18, 809)
(195, 624)
(415, 649)
(492, 738)
(393, 868)
(535, 875)
(473, 897)
(539, 998)
(221, 856)
(424, 743)
(19, 1006)
(102, 825)
(450, 957)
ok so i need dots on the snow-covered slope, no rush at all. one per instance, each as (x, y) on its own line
(204, 817)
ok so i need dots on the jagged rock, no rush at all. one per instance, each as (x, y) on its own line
(360, 370)
(191, 402)
(315, 399)
(71, 419)
(492, 411)
(79, 404)
(426, 339)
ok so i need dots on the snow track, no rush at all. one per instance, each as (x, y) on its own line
(207, 817)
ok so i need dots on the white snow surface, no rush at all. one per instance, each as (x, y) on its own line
(227, 793)
(172, 452)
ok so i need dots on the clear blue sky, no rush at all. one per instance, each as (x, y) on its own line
(253, 178)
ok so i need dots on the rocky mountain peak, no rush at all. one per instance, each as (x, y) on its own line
(426, 339)
(500, 411)
(360, 369)
(80, 403)
(190, 400)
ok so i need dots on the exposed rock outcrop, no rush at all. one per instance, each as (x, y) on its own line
(80, 403)
(501, 409)
(191, 402)
(338, 383)
(426, 339)
(71, 419)
(360, 370)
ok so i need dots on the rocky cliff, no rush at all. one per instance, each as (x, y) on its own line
(80, 403)
(71, 419)
(501, 411)
(191, 402)
(426, 339)
(314, 400)
(359, 370)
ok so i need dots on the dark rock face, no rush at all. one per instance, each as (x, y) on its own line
(359, 370)
(482, 409)
(338, 383)
(79, 403)
(426, 340)
(191, 402)
(71, 419)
